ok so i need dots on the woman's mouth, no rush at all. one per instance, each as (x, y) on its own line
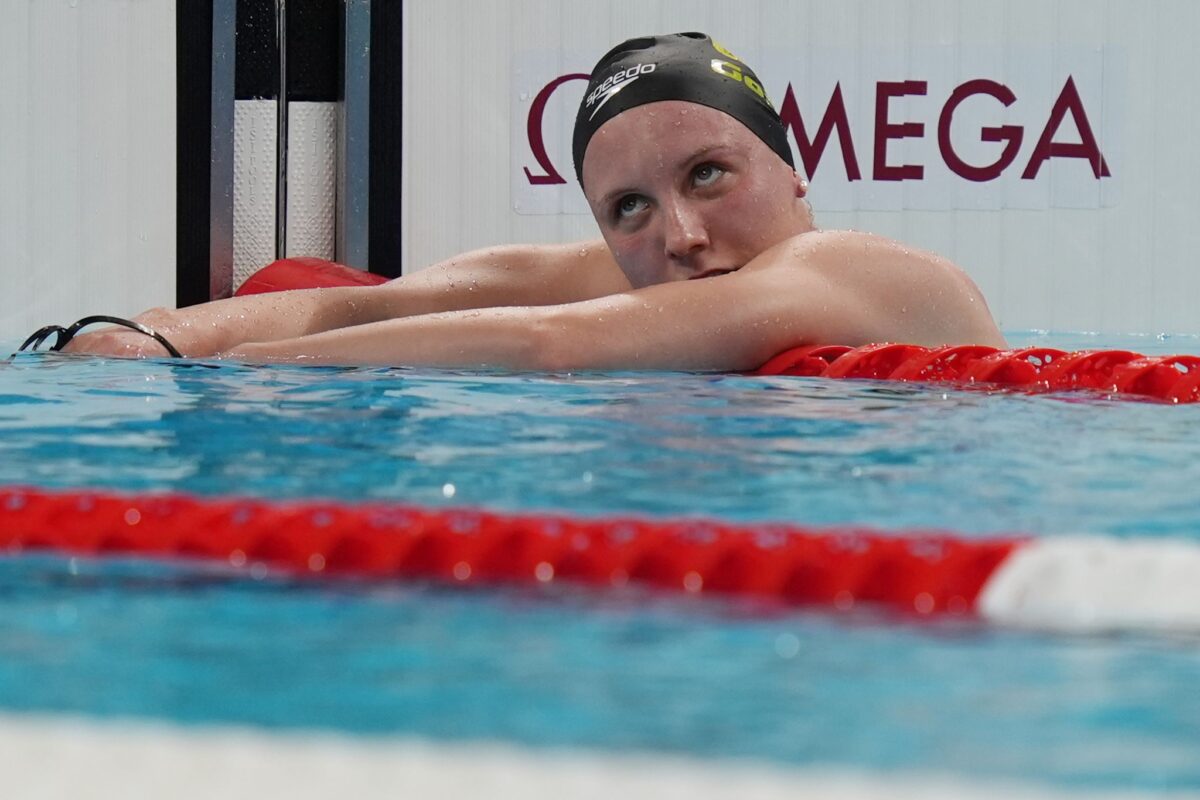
(712, 273)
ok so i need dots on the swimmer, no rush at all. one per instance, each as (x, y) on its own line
(710, 258)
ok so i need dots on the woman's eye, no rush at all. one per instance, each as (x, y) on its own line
(629, 205)
(706, 174)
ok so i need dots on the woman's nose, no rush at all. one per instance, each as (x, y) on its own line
(686, 232)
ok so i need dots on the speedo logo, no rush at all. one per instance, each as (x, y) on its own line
(615, 83)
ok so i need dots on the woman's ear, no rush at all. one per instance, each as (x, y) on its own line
(801, 185)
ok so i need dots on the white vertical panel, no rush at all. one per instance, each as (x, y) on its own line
(311, 186)
(255, 163)
(312, 178)
(87, 147)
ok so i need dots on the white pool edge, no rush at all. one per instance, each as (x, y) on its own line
(54, 757)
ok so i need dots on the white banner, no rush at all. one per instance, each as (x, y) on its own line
(935, 127)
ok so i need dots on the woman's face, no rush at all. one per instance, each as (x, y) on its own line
(684, 191)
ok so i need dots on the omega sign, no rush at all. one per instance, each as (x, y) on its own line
(980, 141)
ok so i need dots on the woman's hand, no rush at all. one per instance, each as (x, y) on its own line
(126, 343)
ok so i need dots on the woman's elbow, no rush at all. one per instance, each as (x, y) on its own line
(552, 345)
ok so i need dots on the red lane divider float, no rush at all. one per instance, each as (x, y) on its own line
(1068, 583)
(1121, 373)
(928, 573)
(1172, 379)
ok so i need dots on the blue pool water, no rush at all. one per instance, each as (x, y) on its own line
(559, 666)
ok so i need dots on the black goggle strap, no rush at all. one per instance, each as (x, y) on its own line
(65, 335)
(41, 335)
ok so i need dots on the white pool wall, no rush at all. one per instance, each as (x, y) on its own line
(87, 160)
(54, 757)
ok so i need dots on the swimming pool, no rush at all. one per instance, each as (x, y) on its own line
(616, 671)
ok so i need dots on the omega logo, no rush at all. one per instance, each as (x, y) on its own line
(885, 130)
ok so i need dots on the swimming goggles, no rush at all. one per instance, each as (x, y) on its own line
(65, 335)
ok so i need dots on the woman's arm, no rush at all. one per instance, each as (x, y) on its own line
(731, 322)
(502, 276)
(819, 288)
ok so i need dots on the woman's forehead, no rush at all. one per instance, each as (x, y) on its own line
(657, 134)
(668, 117)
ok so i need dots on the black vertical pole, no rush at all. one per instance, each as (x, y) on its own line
(387, 117)
(193, 147)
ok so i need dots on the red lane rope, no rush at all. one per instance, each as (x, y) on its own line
(925, 573)
(1121, 373)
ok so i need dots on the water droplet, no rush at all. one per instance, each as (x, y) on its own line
(923, 603)
(787, 645)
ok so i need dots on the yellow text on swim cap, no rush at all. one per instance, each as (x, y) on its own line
(721, 49)
(734, 72)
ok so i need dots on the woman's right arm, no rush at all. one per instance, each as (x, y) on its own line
(528, 275)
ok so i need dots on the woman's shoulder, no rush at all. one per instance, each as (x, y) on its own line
(845, 242)
(899, 290)
(849, 253)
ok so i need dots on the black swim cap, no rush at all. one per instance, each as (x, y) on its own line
(681, 66)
